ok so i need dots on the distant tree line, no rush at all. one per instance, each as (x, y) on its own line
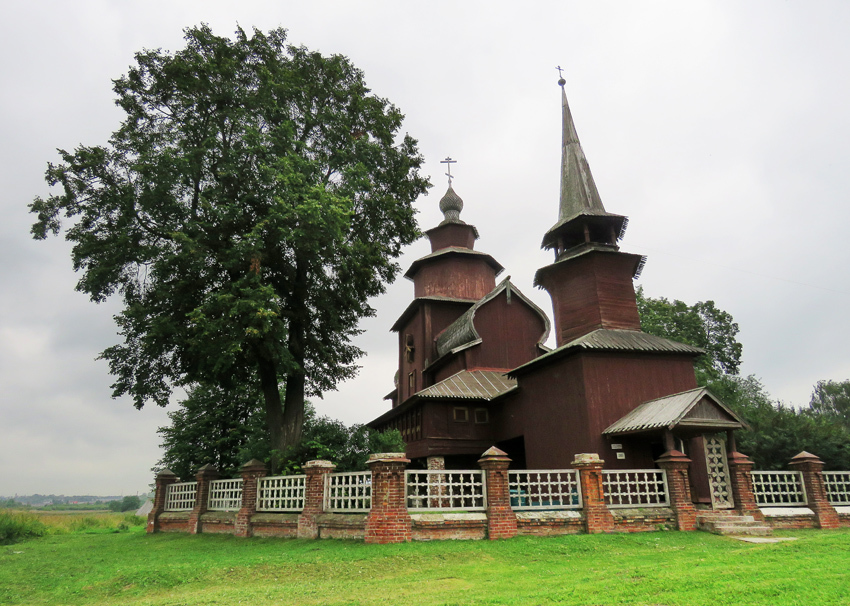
(777, 431)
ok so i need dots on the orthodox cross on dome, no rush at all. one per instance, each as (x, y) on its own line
(561, 80)
(448, 162)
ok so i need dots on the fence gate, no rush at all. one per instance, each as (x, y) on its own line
(718, 471)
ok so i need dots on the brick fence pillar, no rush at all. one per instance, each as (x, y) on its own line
(314, 497)
(164, 478)
(812, 471)
(741, 472)
(251, 472)
(204, 477)
(676, 464)
(597, 516)
(388, 520)
(501, 519)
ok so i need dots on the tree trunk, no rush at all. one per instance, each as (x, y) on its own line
(274, 411)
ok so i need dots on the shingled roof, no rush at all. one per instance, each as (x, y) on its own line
(471, 384)
(461, 333)
(609, 339)
(696, 408)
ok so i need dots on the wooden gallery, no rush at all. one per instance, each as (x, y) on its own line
(607, 432)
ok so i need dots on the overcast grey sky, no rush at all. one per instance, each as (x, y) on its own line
(720, 128)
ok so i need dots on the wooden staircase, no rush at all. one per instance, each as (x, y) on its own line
(729, 522)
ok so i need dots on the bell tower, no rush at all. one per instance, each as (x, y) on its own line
(590, 281)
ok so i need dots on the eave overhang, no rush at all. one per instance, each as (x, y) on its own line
(452, 251)
(585, 249)
(696, 409)
(611, 340)
(417, 302)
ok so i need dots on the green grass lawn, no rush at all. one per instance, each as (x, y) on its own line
(663, 568)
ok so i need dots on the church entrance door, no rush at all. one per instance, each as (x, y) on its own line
(718, 471)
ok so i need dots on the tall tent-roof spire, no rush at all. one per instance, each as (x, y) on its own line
(578, 190)
(581, 216)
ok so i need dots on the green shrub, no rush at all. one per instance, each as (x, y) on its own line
(17, 527)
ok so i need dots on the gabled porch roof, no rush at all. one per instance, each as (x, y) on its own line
(696, 409)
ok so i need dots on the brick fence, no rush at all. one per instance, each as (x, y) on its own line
(390, 504)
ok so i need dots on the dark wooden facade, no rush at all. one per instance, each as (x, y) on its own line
(474, 371)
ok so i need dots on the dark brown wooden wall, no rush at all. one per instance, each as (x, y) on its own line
(444, 236)
(455, 276)
(591, 292)
(564, 406)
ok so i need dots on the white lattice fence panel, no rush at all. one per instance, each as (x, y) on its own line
(445, 490)
(635, 488)
(779, 488)
(545, 489)
(180, 496)
(348, 492)
(225, 495)
(281, 493)
(837, 484)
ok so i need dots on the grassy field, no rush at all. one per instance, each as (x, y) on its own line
(125, 566)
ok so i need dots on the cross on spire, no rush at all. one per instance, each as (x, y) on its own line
(561, 80)
(448, 162)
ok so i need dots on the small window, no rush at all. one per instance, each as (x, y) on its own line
(482, 415)
(409, 348)
(461, 414)
(411, 382)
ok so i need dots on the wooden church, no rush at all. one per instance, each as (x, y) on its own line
(473, 370)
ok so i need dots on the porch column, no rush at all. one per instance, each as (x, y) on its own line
(597, 516)
(741, 472)
(812, 472)
(164, 478)
(251, 471)
(314, 497)
(204, 477)
(676, 464)
(501, 519)
(388, 520)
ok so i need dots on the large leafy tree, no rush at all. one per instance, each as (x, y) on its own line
(203, 431)
(253, 199)
(832, 399)
(777, 432)
(701, 325)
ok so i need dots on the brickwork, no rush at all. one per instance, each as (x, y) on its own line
(164, 478)
(648, 519)
(217, 522)
(341, 526)
(251, 471)
(388, 521)
(205, 475)
(314, 497)
(436, 463)
(597, 516)
(741, 476)
(283, 525)
(796, 522)
(549, 523)
(678, 487)
(173, 521)
(501, 520)
(449, 526)
(812, 471)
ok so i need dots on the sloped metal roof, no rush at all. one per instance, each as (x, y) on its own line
(609, 339)
(461, 333)
(472, 384)
(670, 411)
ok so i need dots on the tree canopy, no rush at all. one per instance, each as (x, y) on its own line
(202, 431)
(251, 202)
(777, 432)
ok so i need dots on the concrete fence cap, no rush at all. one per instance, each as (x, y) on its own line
(587, 457)
(319, 463)
(166, 473)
